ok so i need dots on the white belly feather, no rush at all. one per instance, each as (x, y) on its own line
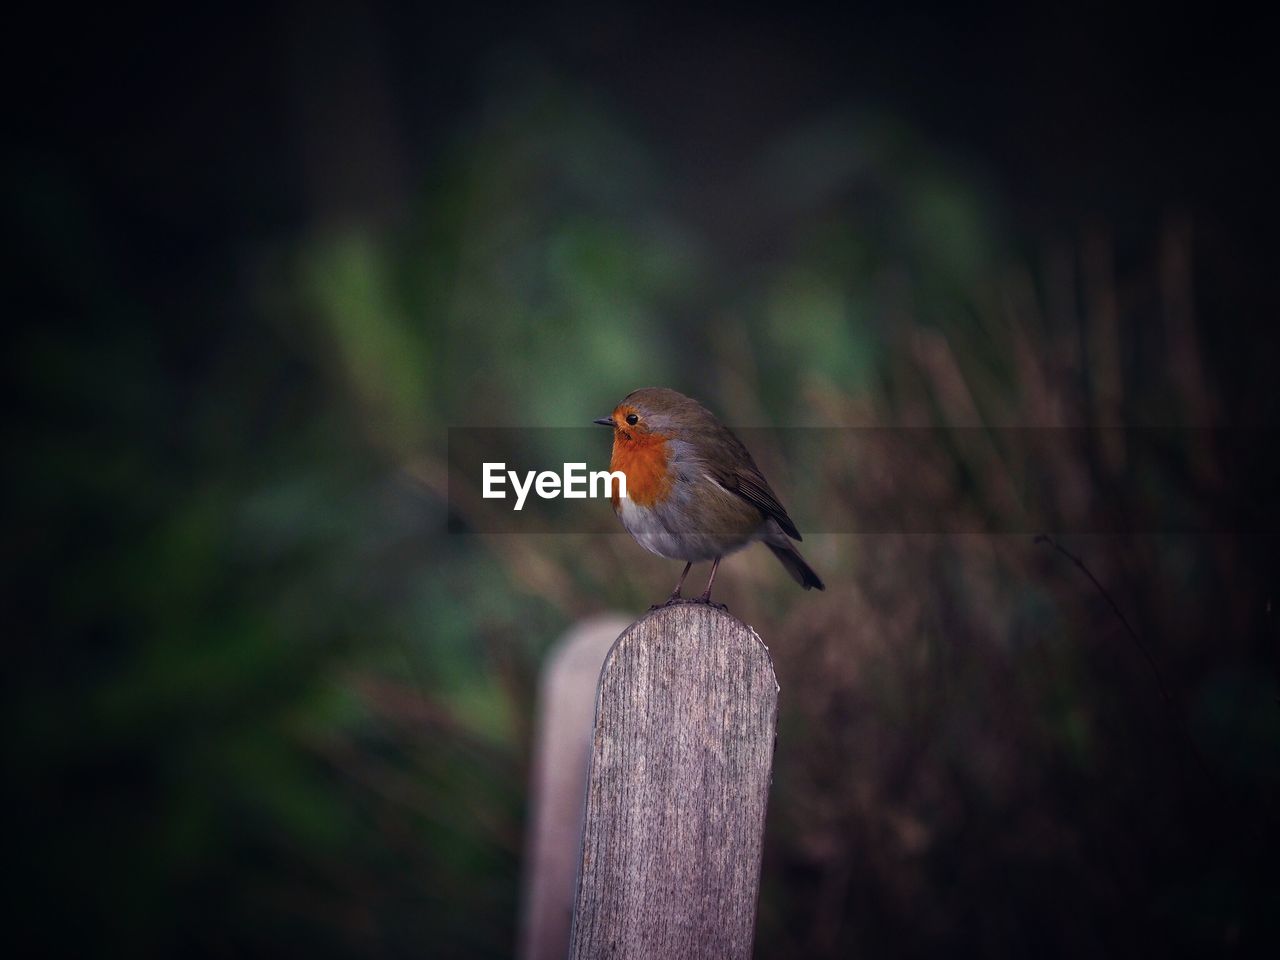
(651, 533)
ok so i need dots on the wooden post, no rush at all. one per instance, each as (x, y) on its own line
(558, 785)
(680, 770)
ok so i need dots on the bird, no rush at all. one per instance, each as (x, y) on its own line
(693, 492)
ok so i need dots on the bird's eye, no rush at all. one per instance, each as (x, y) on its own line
(632, 419)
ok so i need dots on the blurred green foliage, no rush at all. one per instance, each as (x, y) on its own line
(262, 701)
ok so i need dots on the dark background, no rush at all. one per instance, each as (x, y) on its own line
(261, 699)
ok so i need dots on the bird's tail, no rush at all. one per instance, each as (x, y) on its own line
(795, 564)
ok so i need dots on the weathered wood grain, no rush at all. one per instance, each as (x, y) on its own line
(680, 770)
(558, 784)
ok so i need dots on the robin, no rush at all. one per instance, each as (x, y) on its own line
(693, 491)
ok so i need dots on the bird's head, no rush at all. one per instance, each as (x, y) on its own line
(653, 413)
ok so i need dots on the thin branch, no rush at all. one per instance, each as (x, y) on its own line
(1174, 717)
(1133, 634)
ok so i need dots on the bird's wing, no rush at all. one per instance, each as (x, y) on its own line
(747, 482)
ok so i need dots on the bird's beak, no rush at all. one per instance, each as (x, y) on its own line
(604, 421)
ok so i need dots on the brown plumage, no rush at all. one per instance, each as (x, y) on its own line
(693, 490)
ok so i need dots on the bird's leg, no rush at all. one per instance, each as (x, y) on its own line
(675, 594)
(706, 594)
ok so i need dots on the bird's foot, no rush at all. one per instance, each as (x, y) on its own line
(709, 602)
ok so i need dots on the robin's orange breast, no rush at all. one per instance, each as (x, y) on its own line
(645, 462)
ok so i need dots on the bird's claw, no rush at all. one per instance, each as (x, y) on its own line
(677, 601)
